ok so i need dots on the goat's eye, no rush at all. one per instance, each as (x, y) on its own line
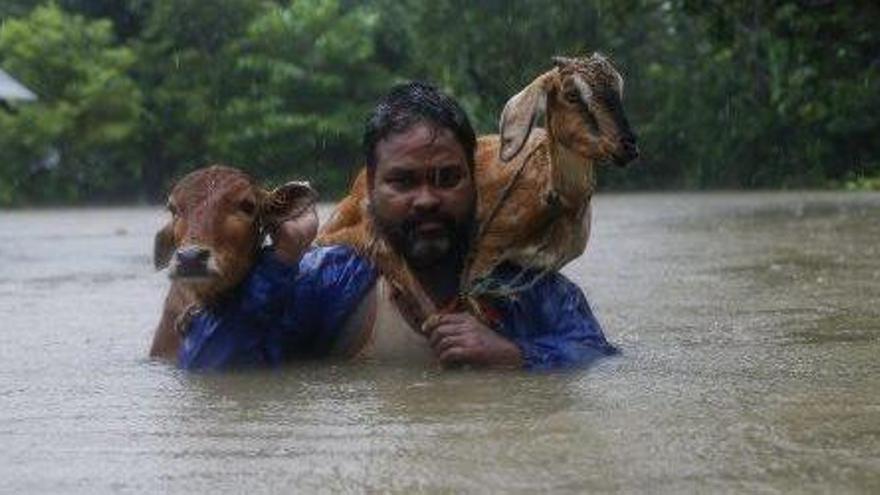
(572, 96)
(248, 207)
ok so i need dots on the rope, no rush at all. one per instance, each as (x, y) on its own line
(505, 194)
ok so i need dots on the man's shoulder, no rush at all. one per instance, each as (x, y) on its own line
(554, 292)
(320, 257)
(329, 265)
(535, 284)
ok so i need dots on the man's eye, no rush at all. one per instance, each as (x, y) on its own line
(448, 177)
(401, 181)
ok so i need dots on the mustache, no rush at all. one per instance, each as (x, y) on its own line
(412, 222)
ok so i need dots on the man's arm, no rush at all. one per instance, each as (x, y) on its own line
(291, 304)
(236, 331)
(280, 312)
(553, 325)
(460, 338)
(548, 326)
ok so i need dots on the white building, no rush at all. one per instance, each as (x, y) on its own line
(11, 90)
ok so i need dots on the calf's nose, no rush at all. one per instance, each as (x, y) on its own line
(192, 254)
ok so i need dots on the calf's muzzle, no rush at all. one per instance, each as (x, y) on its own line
(192, 262)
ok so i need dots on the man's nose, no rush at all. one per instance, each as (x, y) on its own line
(426, 199)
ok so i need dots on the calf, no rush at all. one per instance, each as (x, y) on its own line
(219, 220)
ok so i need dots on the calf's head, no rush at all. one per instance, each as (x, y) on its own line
(583, 102)
(219, 219)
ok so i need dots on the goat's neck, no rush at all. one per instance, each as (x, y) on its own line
(572, 174)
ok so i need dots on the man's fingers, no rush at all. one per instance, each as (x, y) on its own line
(442, 332)
(430, 323)
(456, 317)
(440, 319)
(448, 342)
(454, 355)
(293, 236)
(303, 227)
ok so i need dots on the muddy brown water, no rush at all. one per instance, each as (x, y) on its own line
(749, 325)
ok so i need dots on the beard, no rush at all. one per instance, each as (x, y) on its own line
(447, 244)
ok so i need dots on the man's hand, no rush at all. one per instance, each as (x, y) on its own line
(294, 236)
(459, 338)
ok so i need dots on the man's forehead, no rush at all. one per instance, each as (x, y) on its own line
(418, 139)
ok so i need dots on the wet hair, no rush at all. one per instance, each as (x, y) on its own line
(413, 103)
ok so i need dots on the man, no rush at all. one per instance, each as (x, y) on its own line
(330, 301)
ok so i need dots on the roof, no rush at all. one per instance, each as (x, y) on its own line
(10, 89)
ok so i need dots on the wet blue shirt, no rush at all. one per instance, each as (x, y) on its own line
(283, 312)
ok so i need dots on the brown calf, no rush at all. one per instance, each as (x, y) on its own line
(219, 219)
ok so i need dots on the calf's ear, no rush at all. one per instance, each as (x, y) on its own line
(286, 202)
(163, 247)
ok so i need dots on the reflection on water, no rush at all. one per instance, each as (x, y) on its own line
(749, 324)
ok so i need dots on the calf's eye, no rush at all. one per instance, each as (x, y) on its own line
(248, 207)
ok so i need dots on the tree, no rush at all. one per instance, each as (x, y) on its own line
(305, 77)
(184, 68)
(86, 117)
(484, 52)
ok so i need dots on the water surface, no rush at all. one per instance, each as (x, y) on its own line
(749, 325)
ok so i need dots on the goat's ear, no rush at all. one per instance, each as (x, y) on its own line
(163, 247)
(288, 201)
(519, 117)
(561, 62)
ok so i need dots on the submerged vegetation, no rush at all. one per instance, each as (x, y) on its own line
(133, 93)
(863, 184)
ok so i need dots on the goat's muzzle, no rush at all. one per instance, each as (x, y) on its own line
(627, 151)
(193, 263)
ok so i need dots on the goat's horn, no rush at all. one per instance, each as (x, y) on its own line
(561, 62)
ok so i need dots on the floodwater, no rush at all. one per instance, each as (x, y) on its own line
(749, 325)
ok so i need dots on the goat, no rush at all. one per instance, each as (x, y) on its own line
(533, 185)
(219, 220)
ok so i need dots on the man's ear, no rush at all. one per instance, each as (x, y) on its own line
(163, 247)
(520, 115)
(286, 202)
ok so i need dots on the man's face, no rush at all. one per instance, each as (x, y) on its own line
(422, 194)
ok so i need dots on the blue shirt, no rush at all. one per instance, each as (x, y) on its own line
(283, 312)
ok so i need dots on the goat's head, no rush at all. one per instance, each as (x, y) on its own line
(582, 99)
(219, 218)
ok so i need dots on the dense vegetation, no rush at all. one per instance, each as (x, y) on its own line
(724, 94)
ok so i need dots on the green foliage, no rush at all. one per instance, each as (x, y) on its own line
(16, 8)
(185, 62)
(485, 52)
(723, 94)
(87, 113)
(863, 183)
(760, 94)
(305, 76)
